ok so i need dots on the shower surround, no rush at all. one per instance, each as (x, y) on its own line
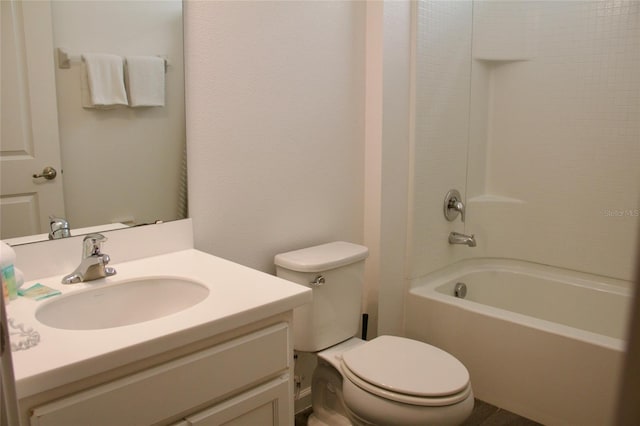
(530, 110)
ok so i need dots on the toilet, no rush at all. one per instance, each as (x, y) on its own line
(388, 380)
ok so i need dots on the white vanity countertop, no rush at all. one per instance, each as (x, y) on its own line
(237, 296)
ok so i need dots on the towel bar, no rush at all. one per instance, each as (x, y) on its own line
(65, 58)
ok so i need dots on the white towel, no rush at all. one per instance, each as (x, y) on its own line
(145, 81)
(85, 92)
(105, 79)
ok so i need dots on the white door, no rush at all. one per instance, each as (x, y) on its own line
(29, 139)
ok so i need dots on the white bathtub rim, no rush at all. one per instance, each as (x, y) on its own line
(463, 267)
(426, 287)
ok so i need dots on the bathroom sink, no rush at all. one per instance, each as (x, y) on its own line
(126, 303)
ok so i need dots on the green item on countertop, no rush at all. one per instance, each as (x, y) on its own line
(38, 292)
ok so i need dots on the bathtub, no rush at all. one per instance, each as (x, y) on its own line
(542, 342)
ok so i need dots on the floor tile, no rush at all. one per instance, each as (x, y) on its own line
(483, 414)
(507, 418)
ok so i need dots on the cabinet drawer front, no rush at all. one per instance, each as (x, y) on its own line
(177, 386)
(265, 406)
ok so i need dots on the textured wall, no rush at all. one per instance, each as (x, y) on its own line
(275, 107)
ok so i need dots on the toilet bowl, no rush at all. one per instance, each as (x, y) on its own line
(389, 381)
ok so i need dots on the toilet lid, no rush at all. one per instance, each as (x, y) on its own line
(408, 367)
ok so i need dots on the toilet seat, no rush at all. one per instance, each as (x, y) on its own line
(393, 368)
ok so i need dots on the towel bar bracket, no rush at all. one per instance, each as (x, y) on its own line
(64, 60)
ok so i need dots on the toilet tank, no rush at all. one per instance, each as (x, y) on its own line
(335, 273)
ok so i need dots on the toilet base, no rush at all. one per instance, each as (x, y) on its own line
(326, 398)
(314, 421)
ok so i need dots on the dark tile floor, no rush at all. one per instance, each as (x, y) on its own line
(483, 414)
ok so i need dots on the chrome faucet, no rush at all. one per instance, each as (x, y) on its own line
(457, 238)
(59, 228)
(93, 264)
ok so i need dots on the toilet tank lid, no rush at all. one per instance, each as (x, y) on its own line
(323, 257)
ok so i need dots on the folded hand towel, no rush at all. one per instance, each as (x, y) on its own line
(145, 81)
(105, 77)
(85, 92)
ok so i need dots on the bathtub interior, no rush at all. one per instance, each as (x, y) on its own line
(588, 305)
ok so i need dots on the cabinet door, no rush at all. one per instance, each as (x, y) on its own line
(264, 405)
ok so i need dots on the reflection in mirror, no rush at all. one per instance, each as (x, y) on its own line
(117, 167)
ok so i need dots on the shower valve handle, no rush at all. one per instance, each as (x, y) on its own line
(453, 206)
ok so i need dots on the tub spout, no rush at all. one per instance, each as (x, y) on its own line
(457, 238)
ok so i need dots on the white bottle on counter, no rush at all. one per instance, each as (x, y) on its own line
(7, 271)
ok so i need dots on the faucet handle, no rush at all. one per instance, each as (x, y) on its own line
(459, 205)
(92, 244)
(59, 227)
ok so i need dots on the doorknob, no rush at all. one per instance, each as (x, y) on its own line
(48, 173)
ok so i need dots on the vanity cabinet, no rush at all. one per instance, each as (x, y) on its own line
(244, 380)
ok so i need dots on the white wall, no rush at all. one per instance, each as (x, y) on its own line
(122, 163)
(275, 126)
(395, 155)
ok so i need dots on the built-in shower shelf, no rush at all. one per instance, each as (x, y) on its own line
(487, 198)
(504, 59)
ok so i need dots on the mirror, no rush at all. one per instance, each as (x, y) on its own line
(117, 167)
